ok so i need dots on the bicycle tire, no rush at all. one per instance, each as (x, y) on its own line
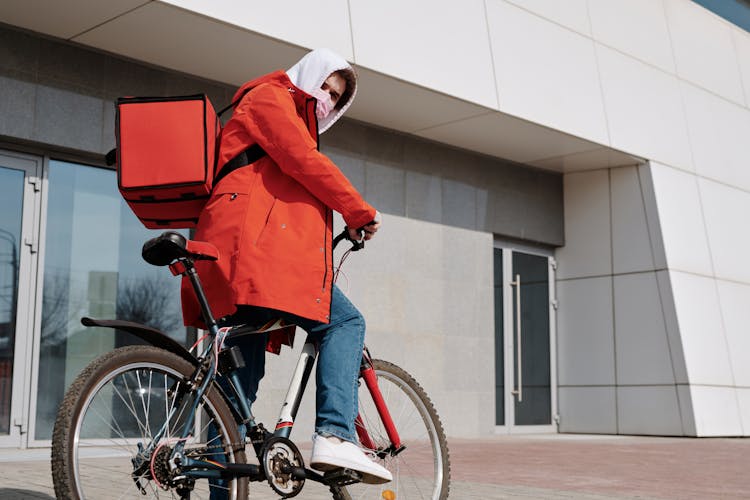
(92, 450)
(413, 478)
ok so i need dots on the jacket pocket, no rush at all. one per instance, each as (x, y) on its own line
(266, 223)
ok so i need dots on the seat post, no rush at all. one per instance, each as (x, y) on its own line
(192, 274)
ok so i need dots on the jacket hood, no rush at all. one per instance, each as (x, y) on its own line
(310, 73)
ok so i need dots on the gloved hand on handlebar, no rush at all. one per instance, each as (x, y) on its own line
(368, 231)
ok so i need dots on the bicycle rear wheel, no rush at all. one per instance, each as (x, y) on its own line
(116, 406)
(422, 470)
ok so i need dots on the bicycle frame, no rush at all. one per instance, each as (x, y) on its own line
(289, 408)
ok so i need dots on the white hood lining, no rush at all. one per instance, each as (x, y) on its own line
(310, 73)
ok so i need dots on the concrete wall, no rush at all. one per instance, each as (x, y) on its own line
(620, 362)
(574, 66)
(653, 299)
(665, 80)
(427, 298)
(424, 285)
(677, 94)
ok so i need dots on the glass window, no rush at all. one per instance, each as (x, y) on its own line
(93, 267)
(499, 339)
(11, 204)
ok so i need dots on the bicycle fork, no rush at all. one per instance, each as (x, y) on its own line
(367, 372)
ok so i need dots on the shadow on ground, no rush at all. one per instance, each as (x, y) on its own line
(18, 494)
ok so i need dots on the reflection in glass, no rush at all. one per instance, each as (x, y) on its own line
(535, 408)
(499, 340)
(11, 205)
(93, 267)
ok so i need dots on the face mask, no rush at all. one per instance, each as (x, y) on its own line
(325, 105)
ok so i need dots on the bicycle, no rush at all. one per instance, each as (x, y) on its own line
(154, 419)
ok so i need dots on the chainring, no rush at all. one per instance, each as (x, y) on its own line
(280, 457)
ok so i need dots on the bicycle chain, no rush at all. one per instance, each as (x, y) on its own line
(227, 447)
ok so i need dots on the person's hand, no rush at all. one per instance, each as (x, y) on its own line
(369, 230)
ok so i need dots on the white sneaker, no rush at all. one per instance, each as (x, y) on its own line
(330, 453)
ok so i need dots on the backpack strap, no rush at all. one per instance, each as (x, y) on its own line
(246, 157)
(234, 103)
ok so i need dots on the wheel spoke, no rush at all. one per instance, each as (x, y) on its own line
(119, 404)
(421, 471)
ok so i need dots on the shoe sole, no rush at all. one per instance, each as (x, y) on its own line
(367, 477)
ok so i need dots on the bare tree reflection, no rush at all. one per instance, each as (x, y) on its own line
(61, 307)
(150, 301)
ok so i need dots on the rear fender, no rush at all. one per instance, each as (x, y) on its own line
(161, 340)
(153, 336)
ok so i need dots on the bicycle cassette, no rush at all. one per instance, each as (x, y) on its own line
(284, 467)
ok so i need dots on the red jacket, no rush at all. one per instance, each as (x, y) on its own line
(272, 220)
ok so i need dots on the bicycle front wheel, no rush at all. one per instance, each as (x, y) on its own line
(421, 471)
(103, 444)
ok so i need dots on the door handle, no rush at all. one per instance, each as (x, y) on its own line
(519, 390)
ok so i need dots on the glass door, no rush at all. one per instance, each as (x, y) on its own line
(19, 210)
(92, 266)
(525, 381)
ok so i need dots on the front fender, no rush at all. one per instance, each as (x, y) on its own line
(151, 335)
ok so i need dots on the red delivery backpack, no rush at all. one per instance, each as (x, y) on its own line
(166, 156)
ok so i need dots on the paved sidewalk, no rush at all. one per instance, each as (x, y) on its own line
(560, 466)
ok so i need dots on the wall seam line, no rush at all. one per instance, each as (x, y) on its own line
(492, 55)
(599, 75)
(664, 329)
(109, 20)
(613, 311)
(351, 30)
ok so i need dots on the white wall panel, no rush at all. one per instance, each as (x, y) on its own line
(588, 409)
(572, 14)
(587, 250)
(673, 327)
(726, 211)
(735, 311)
(743, 400)
(636, 27)
(703, 48)
(631, 245)
(652, 216)
(584, 332)
(716, 411)
(741, 40)
(442, 44)
(641, 344)
(644, 109)
(546, 73)
(681, 220)
(719, 136)
(701, 329)
(63, 19)
(291, 20)
(652, 410)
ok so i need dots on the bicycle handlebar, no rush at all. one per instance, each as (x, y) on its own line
(344, 235)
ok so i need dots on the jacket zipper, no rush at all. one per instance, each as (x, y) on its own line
(312, 118)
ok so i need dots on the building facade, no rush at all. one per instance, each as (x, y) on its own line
(564, 188)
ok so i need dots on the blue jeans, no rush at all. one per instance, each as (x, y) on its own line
(340, 343)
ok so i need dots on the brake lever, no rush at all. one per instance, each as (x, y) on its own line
(344, 235)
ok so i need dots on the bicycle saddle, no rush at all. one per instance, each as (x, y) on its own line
(170, 246)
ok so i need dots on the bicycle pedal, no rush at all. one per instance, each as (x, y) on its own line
(343, 477)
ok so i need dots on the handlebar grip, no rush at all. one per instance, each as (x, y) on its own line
(344, 235)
